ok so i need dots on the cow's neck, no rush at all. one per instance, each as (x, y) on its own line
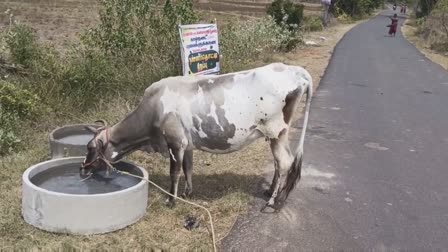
(133, 131)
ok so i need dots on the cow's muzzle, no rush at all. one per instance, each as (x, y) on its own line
(84, 173)
(86, 169)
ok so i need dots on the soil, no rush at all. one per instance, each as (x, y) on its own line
(409, 31)
(60, 22)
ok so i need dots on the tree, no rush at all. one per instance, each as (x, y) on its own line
(424, 7)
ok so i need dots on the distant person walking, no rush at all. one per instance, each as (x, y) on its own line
(403, 8)
(326, 13)
(394, 7)
(393, 26)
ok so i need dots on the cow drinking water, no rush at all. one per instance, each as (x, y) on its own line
(217, 114)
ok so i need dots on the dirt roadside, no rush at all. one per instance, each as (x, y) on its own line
(409, 30)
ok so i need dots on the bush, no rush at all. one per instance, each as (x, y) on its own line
(356, 8)
(16, 105)
(22, 44)
(434, 28)
(311, 24)
(134, 44)
(134, 27)
(9, 141)
(441, 12)
(286, 13)
(424, 7)
(88, 75)
(17, 101)
(243, 42)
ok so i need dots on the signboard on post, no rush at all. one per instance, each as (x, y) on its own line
(199, 49)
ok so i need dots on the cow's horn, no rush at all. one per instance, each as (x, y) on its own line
(91, 129)
(104, 123)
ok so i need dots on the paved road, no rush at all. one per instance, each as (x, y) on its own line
(376, 156)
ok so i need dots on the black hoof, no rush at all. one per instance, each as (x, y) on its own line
(277, 206)
(268, 193)
(186, 196)
(265, 206)
(170, 203)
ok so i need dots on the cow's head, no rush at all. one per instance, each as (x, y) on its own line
(99, 150)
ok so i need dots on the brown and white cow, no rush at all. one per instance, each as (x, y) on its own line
(217, 114)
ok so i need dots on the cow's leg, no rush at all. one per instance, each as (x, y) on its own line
(283, 158)
(177, 143)
(293, 177)
(176, 160)
(269, 192)
(188, 170)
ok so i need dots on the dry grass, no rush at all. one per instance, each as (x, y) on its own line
(410, 31)
(224, 183)
(253, 8)
(58, 22)
(221, 184)
(314, 58)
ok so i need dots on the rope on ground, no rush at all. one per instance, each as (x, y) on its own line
(164, 191)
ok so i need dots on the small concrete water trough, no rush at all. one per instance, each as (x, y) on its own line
(54, 197)
(70, 140)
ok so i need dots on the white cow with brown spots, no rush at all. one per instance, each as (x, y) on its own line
(217, 114)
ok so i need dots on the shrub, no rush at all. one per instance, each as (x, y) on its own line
(286, 12)
(22, 44)
(133, 27)
(311, 24)
(288, 17)
(424, 7)
(356, 8)
(441, 12)
(88, 75)
(17, 101)
(16, 105)
(434, 28)
(3, 45)
(243, 42)
(134, 44)
(9, 141)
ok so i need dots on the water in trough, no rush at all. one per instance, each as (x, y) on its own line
(76, 139)
(66, 179)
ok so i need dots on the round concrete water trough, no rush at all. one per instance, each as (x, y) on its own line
(70, 140)
(54, 197)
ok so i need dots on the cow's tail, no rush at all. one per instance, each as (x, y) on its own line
(294, 171)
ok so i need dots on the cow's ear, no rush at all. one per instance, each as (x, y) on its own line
(91, 129)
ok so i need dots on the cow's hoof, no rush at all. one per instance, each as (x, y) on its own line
(264, 207)
(170, 203)
(268, 205)
(268, 193)
(278, 205)
(186, 195)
